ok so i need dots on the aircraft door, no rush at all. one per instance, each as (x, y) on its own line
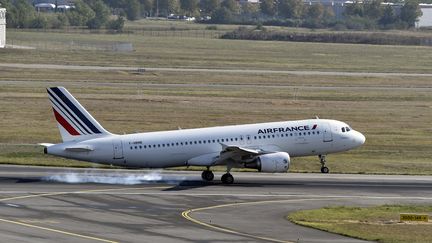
(118, 149)
(327, 133)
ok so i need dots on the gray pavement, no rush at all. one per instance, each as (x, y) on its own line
(208, 70)
(43, 204)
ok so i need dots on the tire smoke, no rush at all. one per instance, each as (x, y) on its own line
(114, 178)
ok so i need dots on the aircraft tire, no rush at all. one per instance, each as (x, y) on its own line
(324, 170)
(207, 175)
(227, 179)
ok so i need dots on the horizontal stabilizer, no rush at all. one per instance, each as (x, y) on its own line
(79, 149)
(46, 144)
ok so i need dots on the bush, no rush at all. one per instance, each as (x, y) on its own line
(211, 27)
(353, 37)
(40, 22)
(116, 24)
(59, 21)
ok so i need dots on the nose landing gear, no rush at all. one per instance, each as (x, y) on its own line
(324, 168)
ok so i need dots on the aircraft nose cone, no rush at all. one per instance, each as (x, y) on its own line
(360, 139)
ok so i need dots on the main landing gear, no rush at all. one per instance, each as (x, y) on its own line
(227, 178)
(324, 168)
(208, 175)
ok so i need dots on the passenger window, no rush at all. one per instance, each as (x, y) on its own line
(281, 135)
(232, 139)
(273, 135)
(131, 147)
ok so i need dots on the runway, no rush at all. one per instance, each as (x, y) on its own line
(42, 204)
(213, 70)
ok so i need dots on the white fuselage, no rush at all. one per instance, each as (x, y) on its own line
(201, 146)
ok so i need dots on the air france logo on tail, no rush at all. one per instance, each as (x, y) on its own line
(70, 114)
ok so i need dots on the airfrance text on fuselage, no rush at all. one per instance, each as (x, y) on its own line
(286, 129)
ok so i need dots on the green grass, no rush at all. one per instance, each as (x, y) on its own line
(193, 51)
(395, 120)
(379, 223)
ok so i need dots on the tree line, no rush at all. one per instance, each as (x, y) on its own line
(95, 14)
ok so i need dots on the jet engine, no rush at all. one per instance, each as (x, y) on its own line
(273, 163)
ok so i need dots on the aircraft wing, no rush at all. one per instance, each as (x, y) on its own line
(229, 153)
(237, 154)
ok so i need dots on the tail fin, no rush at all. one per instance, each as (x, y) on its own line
(73, 120)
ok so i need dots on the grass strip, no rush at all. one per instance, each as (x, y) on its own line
(379, 223)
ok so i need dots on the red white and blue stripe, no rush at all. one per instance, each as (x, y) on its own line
(71, 115)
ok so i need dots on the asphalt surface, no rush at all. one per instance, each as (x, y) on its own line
(226, 86)
(39, 204)
(209, 70)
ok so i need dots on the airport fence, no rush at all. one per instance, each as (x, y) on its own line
(21, 41)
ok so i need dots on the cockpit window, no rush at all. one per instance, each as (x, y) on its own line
(343, 129)
(348, 129)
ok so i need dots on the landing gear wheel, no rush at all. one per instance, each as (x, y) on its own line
(207, 175)
(227, 179)
(324, 170)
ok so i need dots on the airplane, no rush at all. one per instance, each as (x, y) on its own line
(266, 147)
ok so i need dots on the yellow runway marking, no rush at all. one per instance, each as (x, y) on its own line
(57, 231)
(78, 192)
(186, 215)
(65, 193)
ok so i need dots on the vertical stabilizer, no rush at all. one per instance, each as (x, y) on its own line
(73, 120)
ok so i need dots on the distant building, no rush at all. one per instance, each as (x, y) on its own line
(2, 27)
(426, 19)
(45, 7)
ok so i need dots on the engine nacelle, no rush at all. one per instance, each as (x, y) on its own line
(273, 163)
